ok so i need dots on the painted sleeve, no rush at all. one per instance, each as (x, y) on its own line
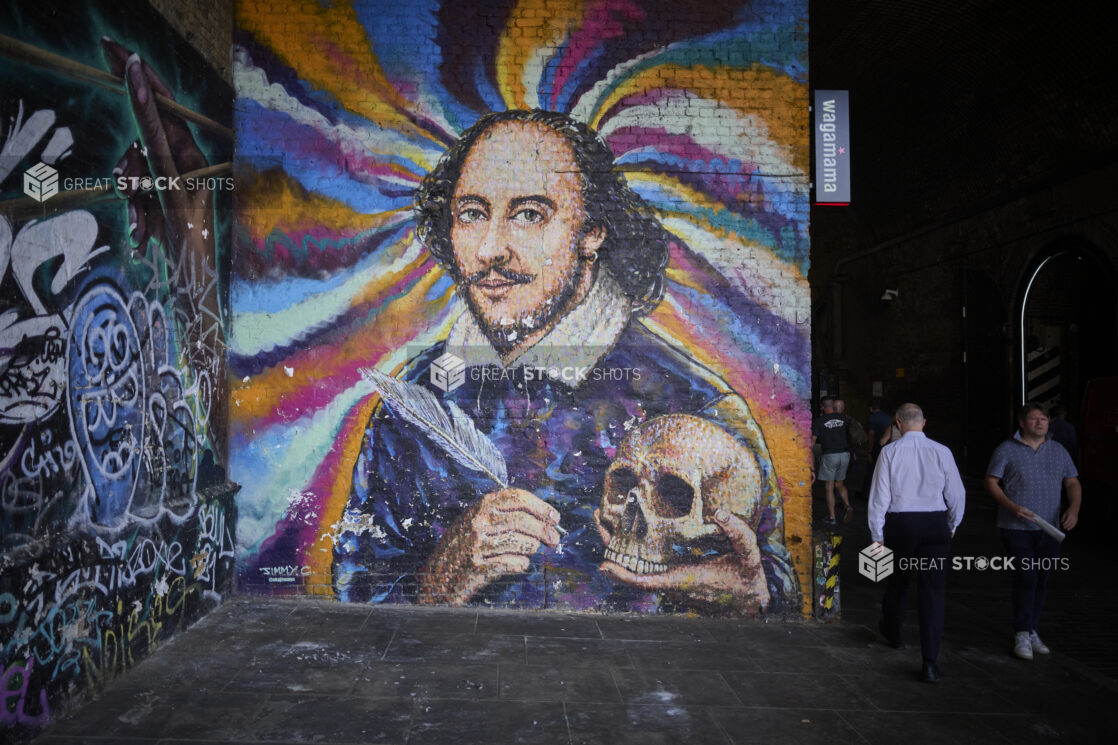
(732, 412)
(382, 537)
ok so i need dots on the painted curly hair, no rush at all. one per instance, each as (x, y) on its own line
(636, 246)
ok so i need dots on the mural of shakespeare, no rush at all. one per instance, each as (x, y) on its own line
(557, 260)
(519, 304)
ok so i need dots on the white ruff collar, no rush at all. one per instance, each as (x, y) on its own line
(580, 339)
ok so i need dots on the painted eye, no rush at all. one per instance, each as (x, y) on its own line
(528, 216)
(470, 215)
(619, 483)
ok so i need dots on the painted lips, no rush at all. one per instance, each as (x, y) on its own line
(495, 283)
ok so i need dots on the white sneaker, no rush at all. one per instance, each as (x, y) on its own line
(1023, 645)
(1038, 646)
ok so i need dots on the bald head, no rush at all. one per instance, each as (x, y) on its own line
(910, 418)
(840, 406)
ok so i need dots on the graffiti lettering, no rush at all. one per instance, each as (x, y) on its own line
(105, 398)
(53, 460)
(288, 571)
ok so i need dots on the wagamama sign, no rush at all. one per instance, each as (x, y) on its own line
(832, 147)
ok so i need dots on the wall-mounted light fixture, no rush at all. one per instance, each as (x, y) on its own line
(890, 295)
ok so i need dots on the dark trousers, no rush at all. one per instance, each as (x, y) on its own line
(1030, 549)
(917, 539)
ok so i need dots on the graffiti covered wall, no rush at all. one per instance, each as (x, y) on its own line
(519, 303)
(117, 524)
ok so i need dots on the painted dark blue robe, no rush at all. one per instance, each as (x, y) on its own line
(558, 441)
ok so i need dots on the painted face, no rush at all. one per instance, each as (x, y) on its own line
(1035, 424)
(516, 229)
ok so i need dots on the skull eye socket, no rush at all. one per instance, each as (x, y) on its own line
(676, 495)
(622, 481)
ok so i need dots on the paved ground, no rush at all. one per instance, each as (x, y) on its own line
(302, 671)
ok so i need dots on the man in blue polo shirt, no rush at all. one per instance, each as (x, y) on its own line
(1024, 477)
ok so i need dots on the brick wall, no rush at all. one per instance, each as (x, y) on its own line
(342, 112)
(206, 26)
(117, 522)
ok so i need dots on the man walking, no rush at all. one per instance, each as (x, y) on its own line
(1063, 431)
(877, 425)
(1024, 477)
(916, 503)
(830, 430)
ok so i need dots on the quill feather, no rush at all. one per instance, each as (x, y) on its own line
(455, 432)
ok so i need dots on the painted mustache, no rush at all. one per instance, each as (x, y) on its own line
(500, 271)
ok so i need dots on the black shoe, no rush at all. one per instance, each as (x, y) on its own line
(894, 643)
(931, 673)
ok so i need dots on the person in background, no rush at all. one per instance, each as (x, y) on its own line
(877, 425)
(830, 430)
(1063, 431)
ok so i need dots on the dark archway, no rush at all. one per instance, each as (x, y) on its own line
(1067, 327)
(1067, 346)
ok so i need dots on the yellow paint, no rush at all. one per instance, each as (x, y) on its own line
(320, 554)
(760, 91)
(518, 44)
(275, 200)
(328, 48)
(259, 397)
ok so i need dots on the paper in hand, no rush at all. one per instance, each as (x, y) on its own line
(1049, 528)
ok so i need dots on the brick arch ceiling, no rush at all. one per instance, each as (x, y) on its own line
(958, 105)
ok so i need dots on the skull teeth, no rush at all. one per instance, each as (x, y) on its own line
(635, 564)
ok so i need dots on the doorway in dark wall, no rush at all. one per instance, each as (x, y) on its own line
(1068, 328)
(988, 384)
(1068, 337)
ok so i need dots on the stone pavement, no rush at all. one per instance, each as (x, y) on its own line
(316, 671)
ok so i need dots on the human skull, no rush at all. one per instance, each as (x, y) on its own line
(670, 476)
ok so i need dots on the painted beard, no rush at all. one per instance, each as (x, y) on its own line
(505, 333)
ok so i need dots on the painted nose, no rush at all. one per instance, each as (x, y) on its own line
(494, 245)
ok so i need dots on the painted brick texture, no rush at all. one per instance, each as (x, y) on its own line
(647, 210)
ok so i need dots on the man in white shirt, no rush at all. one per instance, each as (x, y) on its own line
(916, 502)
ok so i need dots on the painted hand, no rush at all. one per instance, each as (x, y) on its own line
(164, 150)
(497, 535)
(734, 582)
(170, 222)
